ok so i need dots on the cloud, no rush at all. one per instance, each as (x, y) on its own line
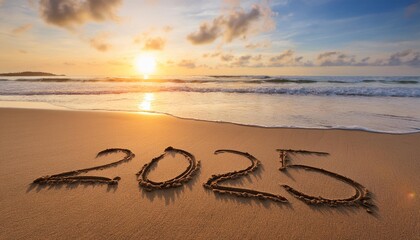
(335, 59)
(287, 58)
(365, 60)
(152, 39)
(231, 60)
(226, 57)
(290, 58)
(242, 61)
(298, 59)
(254, 61)
(236, 24)
(265, 44)
(403, 58)
(100, 43)
(22, 29)
(213, 55)
(207, 33)
(187, 63)
(72, 13)
(257, 58)
(407, 57)
(216, 54)
(156, 43)
(412, 9)
(326, 55)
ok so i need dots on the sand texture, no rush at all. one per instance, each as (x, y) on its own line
(93, 175)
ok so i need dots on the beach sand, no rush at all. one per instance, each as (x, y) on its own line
(35, 142)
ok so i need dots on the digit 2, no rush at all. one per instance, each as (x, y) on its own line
(71, 176)
(213, 182)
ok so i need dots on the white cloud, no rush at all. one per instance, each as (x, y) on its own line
(236, 24)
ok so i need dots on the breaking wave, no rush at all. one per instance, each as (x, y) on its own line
(306, 91)
(224, 79)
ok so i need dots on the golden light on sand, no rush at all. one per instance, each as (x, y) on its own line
(411, 195)
(145, 64)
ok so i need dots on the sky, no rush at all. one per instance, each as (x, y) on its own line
(200, 37)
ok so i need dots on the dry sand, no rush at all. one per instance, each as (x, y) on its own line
(34, 143)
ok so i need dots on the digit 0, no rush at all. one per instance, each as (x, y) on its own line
(177, 181)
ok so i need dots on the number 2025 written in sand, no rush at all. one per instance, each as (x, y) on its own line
(360, 198)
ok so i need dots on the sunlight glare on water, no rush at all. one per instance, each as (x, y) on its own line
(146, 103)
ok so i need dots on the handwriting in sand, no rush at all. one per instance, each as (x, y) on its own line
(360, 198)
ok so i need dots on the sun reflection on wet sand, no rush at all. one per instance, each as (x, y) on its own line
(411, 195)
(146, 104)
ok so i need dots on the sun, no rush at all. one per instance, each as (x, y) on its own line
(145, 64)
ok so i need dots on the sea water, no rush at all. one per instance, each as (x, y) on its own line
(382, 104)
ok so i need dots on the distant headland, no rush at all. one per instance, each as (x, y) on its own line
(29, 74)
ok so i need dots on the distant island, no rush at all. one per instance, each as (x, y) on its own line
(28, 74)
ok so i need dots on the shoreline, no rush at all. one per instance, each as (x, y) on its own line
(49, 106)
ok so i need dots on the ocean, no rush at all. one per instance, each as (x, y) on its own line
(371, 103)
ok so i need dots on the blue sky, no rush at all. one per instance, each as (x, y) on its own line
(286, 37)
(320, 24)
